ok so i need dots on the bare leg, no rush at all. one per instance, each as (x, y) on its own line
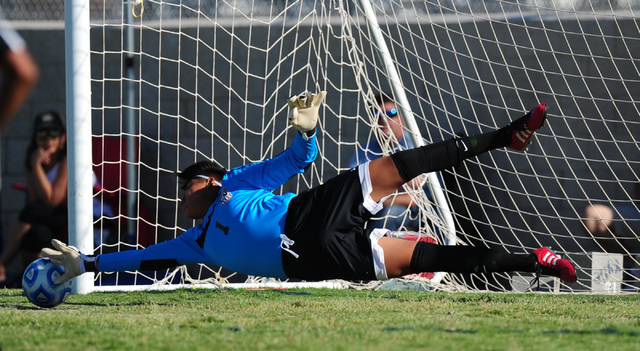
(397, 255)
(385, 178)
(12, 247)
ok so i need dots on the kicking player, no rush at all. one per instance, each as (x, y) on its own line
(320, 233)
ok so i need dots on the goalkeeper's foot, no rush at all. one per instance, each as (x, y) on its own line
(524, 127)
(550, 264)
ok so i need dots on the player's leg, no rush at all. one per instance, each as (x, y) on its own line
(405, 257)
(389, 173)
(397, 255)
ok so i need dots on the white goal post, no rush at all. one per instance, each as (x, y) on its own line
(179, 81)
(78, 90)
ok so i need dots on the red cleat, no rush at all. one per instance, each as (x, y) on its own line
(524, 127)
(550, 264)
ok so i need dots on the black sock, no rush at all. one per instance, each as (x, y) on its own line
(429, 257)
(445, 154)
(476, 144)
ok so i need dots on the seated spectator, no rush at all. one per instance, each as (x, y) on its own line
(45, 214)
(616, 228)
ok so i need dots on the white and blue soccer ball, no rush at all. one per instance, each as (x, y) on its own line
(37, 283)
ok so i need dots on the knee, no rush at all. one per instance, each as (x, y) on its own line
(384, 174)
(383, 166)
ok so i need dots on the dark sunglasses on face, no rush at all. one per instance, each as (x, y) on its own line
(390, 113)
(48, 133)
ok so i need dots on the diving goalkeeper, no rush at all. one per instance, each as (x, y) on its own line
(320, 233)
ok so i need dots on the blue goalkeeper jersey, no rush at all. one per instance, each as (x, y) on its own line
(244, 225)
(242, 229)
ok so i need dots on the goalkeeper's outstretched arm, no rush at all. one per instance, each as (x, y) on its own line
(272, 173)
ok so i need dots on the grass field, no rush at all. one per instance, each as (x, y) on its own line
(321, 319)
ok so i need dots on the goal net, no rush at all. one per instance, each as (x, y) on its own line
(174, 82)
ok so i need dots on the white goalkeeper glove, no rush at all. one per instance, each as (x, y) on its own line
(303, 110)
(68, 257)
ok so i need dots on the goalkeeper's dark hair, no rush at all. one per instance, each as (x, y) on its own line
(208, 168)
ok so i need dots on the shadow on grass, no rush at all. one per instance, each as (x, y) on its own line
(603, 331)
(613, 331)
(24, 308)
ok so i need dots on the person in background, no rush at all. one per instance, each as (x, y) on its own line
(44, 216)
(400, 212)
(616, 228)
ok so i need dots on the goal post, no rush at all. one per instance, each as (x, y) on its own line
(210, 80)
(447, 227)
(78, 97)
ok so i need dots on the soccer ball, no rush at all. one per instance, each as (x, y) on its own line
(37, 283)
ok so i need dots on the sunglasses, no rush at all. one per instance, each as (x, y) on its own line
(185, 185)
(48, 133)
(390, 113)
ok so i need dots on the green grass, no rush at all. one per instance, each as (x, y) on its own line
(321, 319)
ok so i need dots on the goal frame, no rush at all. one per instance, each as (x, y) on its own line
(78, 97)
(77, 40)
(463, 67)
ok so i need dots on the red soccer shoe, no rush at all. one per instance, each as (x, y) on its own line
(524, 127)
(552, 265)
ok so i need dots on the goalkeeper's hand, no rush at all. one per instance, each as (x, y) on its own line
(303, 111)
(67, 257)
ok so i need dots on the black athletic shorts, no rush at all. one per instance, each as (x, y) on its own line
(327, 225)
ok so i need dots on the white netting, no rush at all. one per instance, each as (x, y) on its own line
(187, 80)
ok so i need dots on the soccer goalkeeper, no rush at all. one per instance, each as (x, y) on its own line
(320, 233)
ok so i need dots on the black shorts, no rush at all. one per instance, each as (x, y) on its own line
(327, 225)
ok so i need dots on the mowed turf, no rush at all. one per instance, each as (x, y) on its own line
(321, 319)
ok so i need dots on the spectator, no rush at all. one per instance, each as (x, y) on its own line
(615, 227)
(400, 212)
(45, 215)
